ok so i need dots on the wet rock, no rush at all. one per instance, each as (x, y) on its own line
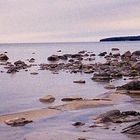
(127, 55)
(77, 124)
(71, 98)
(82, 52)
(136, 66)
(19, 63)
(76, 56)
(53, 58)
(81, 138)
(110, 86)
(34, 73)
(92, 54)
(18, 122)
(32, 60)
(136, 53)
(79, 81)
(132, 129)
(115, 116)
(71, 60)
(133, 85)
(107, 117)
(115, 49)
(3, 57)
(101, 77)
(48, 98)
(12, 70)
(103, 54)
(63, 57)
(116, 55)
(88, 71)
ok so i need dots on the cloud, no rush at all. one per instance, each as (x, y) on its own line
(61, 20)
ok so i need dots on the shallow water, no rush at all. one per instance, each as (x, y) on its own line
(21, 91)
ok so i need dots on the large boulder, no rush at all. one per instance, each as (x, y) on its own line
(133, 85)
(3, 57)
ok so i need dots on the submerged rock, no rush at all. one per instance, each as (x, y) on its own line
(110, 86)
(79, 81)
(48, 98)
(71, 98)
(18, 122)
(78, 124)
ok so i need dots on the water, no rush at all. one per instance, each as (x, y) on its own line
(21, 91)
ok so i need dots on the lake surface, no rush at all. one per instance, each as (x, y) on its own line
(21, 91)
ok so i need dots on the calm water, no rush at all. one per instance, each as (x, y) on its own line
(21, 91)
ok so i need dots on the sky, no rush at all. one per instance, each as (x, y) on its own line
(67, 20)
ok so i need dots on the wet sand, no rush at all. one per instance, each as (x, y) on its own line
(54, 110)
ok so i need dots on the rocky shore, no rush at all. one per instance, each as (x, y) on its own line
(116, 66)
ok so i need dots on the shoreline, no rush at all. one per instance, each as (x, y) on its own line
(54, 110)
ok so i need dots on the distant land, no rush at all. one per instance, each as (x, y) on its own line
(125, 38)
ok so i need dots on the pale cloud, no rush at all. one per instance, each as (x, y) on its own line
(67, 20)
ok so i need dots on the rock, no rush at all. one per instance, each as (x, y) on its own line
(63, 57)
(48, 98)
(82, 52)
(19, 63)
(101, 77)
(137, 53)
(76, 56)
(110, 86)
(81, 138)
(18, 122)
(136, 65)
(126, 55)
(88, 71)
(133, 85)
(107, 117)
(132, 129)
(80, 81)
(32, 60)
(53, 58)
(115, 116)
(59, 51)
(78, 124)
(115, 49)
(3, 57)
(34, 73)
(71, 98)
(102, 54)
(92, 54)
(71, 60)
(116, 55)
